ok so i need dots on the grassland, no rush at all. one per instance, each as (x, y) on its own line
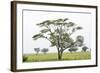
(54, 56)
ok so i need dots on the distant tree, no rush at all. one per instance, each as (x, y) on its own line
(84, 48)
(37, 50)
(45, 50)
(73, 49)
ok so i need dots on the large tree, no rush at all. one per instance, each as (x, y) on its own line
(59, 32)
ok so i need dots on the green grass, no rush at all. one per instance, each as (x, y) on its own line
(54, 56)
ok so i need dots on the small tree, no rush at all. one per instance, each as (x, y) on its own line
(84, 48)
(73, 49)
(45, 50)
(37, 50)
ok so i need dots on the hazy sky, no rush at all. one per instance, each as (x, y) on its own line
(31, 18)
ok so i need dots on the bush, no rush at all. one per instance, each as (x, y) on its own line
(72, 49)
(84, 48)
(45, 50)
(37, 50)
(24, 58)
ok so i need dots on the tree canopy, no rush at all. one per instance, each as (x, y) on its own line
(59, 33)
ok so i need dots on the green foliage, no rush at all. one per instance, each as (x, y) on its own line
(84, 48)
(37, 36)
(79, 41)
(44, 30)
(24, 58)
(78, 28)
(37, 50)
(73, 49)
(80, 38)
(45, 50)
(65, 19)
(45, 23)
(70, 24)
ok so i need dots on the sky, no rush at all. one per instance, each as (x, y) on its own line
(32, 17)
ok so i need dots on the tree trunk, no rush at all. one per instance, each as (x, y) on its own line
(58, 45)
(60, 55)
(60, 51)
(60, 58)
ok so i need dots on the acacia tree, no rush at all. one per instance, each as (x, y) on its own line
(59, 32)
(84, 48)
(45, 50)
(37, 50)
(73, 49)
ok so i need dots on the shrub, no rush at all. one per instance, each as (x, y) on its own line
(45, 50)
(24, 58)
